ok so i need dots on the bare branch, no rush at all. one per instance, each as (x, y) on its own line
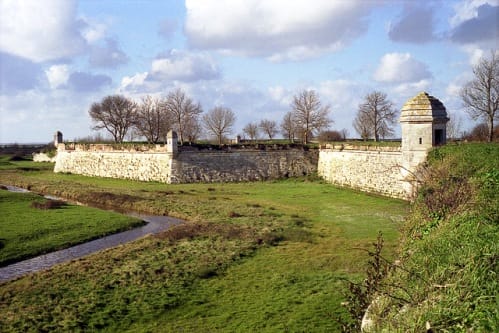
(219, 122)
(116, 114)
(309, 115)
(481, 95)
(375, 116)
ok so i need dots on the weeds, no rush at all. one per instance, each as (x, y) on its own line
(446, 278)
(361, 295)
(48, 204)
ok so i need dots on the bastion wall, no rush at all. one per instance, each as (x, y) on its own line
(115, 164)
(369, 169)
(184, 166)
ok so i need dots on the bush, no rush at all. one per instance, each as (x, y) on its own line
(48, 204)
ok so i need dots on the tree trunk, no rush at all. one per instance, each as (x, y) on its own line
(490, 126)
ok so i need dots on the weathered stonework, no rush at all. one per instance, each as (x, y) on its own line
(128, 165)
(242, 165)
(376, 170)
(167, 165)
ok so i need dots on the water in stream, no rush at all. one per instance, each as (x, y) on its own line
(155, 224)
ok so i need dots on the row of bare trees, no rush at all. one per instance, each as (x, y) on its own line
(152, 118)
(306, 119)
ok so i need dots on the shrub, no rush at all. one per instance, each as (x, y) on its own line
(48, 204)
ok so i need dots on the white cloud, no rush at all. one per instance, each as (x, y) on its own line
(135, 84)
(475, 54)
(467, 10)
(344, 97)
(94, 31)
(184, 66)
(280, 94)
(57, 75)
(481, 27)
(171, 69)
(410, 89)
(40, 30)
(399, 68)
(107, 55)
(278, 30)
(34, 116)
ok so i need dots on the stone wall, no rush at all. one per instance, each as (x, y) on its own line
(185, 166)
(43, 157)
(143, 166)
(242, 165)
(370, 169)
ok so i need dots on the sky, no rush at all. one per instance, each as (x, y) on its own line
(57, 57)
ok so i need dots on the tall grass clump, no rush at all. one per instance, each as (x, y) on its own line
(446, 279)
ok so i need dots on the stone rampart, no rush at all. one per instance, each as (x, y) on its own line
(143, 166)
(187, 166)
(242, 165)
(369, 169)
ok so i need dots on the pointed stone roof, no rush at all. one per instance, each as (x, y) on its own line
(423, 107)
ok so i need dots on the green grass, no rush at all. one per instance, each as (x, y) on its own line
(26, 231)
(8, 162)
(263, 256)
(450, 248)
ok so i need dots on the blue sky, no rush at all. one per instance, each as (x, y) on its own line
(57, 57)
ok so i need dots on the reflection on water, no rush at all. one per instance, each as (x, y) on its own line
(155, 224)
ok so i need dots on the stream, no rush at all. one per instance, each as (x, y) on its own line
(154, 225)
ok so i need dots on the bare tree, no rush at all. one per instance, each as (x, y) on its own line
(183, 111)
(330, 136)
(344, 133)
(288, 127)
(309, 115)
(192, 129)
(251, 130)
(375, 116)
(219, 122)
(478, 133)
(115, 113)
(269, 127)
(153, 120)
(362, 126)
(481, 95)
(454, 127)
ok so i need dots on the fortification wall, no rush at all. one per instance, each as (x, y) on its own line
(185, 166)
(242, 165)
(375, 170)
(143, 166)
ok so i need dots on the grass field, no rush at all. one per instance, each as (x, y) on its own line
(26, 231)
(264, 256)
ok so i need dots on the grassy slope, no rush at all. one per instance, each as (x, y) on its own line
(450, 248)
(26, 231)
(269, 258)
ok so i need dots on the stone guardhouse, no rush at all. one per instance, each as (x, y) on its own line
(390, 171)
(423, 119)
